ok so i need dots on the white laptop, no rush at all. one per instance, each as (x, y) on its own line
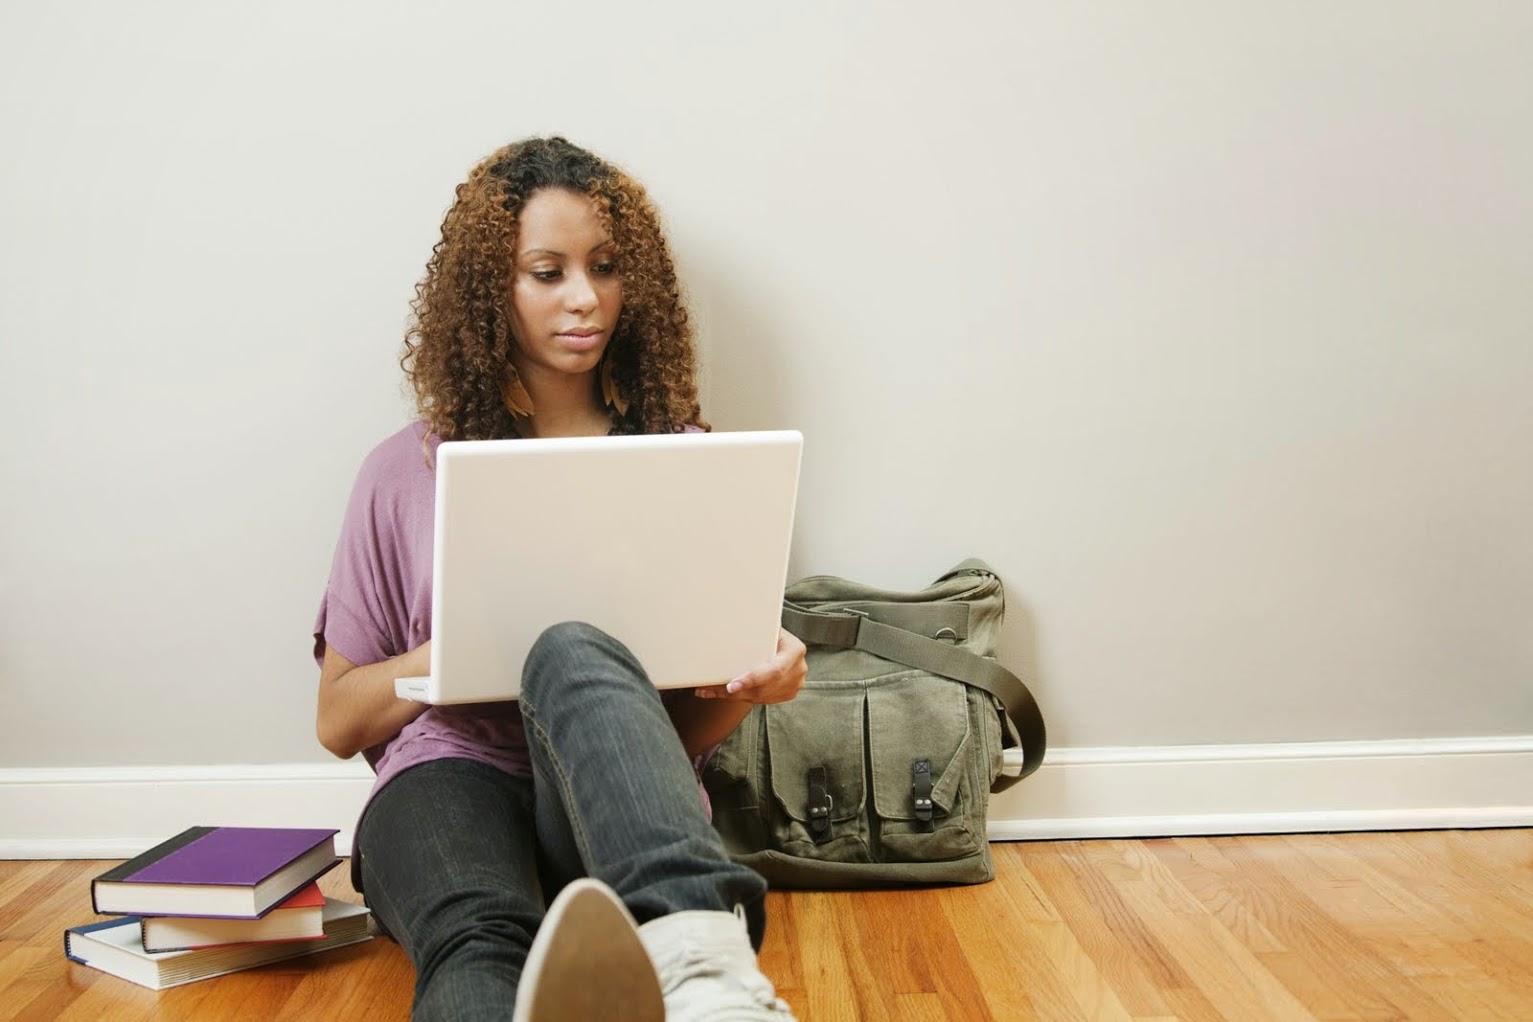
(676, 545)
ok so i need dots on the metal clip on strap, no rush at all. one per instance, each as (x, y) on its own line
(921, 788)
(820, 805)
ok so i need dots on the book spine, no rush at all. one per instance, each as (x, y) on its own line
(90, 927)
(311, 880)
(158, 852)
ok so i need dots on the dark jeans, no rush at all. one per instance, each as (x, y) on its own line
(459, 859)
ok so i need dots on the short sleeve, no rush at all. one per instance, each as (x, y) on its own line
(377, 600)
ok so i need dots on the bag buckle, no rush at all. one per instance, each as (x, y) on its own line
(848, 627)
(921, 788)
(820, 806)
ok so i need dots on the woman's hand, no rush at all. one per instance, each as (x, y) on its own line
(776, 681)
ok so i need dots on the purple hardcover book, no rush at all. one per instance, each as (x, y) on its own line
(230, 855)
(234, 871)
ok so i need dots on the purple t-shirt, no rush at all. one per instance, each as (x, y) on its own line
(377, 605)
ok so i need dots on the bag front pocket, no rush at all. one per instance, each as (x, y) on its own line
(815, 747)
(920, 745)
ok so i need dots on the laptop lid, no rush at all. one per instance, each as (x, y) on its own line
(676, 545)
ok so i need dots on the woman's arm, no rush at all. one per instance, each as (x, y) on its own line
(703, 723)
(357, 705)
(708, 715)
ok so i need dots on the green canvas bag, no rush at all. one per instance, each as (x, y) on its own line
(879, 772)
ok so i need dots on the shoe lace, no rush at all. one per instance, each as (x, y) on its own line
(717, 988)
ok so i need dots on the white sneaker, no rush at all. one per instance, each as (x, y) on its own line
(587, 963)
(708, 969)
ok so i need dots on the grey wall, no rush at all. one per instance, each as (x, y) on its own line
(1208, 324)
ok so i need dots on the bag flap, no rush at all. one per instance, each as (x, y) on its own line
(820, 729)
(917, 717)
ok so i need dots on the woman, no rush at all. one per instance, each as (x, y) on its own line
(549, 308)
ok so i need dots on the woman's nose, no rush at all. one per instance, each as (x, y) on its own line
(580, 295)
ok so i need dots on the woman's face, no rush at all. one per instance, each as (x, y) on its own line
(565, 292)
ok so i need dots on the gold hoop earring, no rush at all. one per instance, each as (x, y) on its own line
(611, 396)
(518, 401)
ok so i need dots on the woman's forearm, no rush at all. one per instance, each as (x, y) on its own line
(704, 723)
(357, 705)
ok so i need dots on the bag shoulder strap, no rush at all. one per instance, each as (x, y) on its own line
(856, 631)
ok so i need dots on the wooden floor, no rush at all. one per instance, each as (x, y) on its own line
(1433, 925)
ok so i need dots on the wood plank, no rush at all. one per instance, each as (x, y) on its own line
(912, 950)
(1220, 967)
(1194, 866)
(779, 956)
(62, 889)
(1377, 989)
(1293, 938)
(1492, 928)
(1138, 966)
(1433, 946)
(31, 973)
(16, 877)
(1035, 970)
(356, 981)
(834, 968)
(1506, 856)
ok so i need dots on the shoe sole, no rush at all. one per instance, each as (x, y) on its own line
(587, 962)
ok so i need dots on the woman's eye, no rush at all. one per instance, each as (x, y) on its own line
(545, 274)
(605, 269)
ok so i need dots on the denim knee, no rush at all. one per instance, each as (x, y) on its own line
(568, 634)
(566, 653)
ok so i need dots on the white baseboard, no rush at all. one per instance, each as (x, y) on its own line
(1254, 789)
(116, 812)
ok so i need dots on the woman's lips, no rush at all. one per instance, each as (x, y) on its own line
(580, 340)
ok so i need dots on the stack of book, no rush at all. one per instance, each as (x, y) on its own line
(213, 900)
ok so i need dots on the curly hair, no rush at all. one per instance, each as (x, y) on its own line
(458, 346)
